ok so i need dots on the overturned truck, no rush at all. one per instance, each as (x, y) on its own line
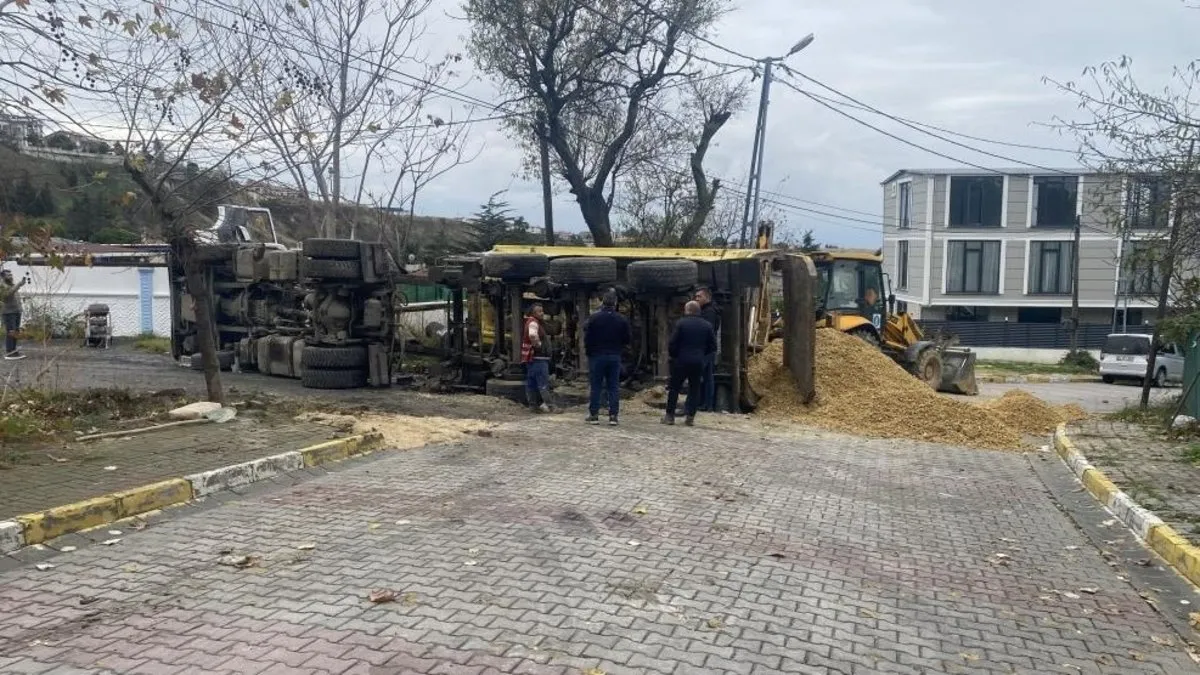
(322, 313)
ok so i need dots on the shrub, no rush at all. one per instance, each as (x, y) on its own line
(1080, 358)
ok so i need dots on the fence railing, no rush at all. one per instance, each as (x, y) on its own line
(1026, 335)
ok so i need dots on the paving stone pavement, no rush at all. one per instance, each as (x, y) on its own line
(69, 474)
(552, 547)
(1161, 474)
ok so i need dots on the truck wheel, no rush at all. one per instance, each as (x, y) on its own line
(333, 249)
(514, 266)
(584, 270)
(320, 268)
(662, 275)
(928, 368)
(333, 358)
(333, 379)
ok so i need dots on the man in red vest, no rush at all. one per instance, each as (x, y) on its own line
(535, 354)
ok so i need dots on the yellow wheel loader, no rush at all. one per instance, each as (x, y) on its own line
(851, 299)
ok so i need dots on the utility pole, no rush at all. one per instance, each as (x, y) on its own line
(1075, 290)
(754, 183)
(547, 198)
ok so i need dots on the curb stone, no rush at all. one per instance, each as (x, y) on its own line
(1035, 379)
(35, 528)
(1157, 535)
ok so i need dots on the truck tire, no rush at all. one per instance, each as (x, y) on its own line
(333, 358)
(321, 268)
(584, 270)
(333, 249)
(661, 275)
(514, 266)
(313, 378)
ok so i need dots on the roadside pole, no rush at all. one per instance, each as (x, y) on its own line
(1075, 290)
(547, 197)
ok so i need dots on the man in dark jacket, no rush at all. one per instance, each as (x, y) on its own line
(692, 343)
(605, 336)
(10, 310)
(712, 314)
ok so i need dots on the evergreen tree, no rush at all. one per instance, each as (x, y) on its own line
(809, 243)
(78, 223)
(24, 197)
(494, 225)
(45, 202)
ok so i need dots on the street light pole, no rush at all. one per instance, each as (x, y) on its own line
(754, 182)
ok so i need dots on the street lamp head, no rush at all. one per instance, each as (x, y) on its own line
(804, 42)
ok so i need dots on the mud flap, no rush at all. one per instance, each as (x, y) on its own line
(958, 372)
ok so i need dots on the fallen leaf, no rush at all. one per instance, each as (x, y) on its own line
(130, 568)
(374, 526)
(1162, 641)
(1106, 660)
(115, 533)
(867, 613)
(44, 566)
(410, 599)
(239, 561)
(594, 671)
(471, 563)
(472, 551)
(110, 542)
(60, 460)
(403, 522)
(640, 510)
(382, 595)
(967, 656)
(634, 543)
(1090, 590)
(1194, 619)
(714, 623)
(1137, 656)
(306, 546)
(1109, 523)
(1071, 548)
(110, 468)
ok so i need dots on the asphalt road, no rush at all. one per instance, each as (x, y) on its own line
(1093, 396)
(555, 547)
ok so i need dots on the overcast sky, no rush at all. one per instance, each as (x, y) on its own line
(973, 67)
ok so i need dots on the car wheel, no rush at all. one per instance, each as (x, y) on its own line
(1108, 379)
(1160, 378)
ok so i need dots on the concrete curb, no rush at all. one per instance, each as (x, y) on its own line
(1160, 537)
(36, 528)
(1035, 379)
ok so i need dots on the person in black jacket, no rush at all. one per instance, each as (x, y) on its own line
(692, 343)
(712, 314)
(605, 336)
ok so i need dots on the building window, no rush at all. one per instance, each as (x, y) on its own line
(961, 313)
(902, 265)
(976, 201)
(973, 267)
(1148, 203)
(905, 221)
(1055, 199)
(1051, 266)
(1140, 276)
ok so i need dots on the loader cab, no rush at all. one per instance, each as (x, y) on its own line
(851, 284)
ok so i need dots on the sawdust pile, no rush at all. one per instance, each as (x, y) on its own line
(862, 391)
(1025, 412)
(402, 432)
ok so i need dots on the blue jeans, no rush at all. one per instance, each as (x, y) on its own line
(537, 379)
(708, 400)
(604, 373)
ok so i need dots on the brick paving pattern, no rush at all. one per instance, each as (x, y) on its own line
(168, 453)
(1162, 475)
(551, 547)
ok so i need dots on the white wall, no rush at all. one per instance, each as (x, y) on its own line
(121, 288)
(1025, 355)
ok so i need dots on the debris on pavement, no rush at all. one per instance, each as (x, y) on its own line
(382, 595)
(1020, 410)
(239, 561)
(42, 567)
(111, 542)
(400, 432)
(194, 411)
(306, 546)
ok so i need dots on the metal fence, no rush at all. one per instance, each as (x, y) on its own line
(1025, 335)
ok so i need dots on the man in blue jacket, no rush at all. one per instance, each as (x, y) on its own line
(605, 336)
(692, 343)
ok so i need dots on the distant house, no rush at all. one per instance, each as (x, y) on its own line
(18, 128)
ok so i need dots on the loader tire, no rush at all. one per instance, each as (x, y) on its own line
(584, 270)
(662, 275)
(514, 266)
(333, 249)
(333, 358)
(928, 368)
(333, 379)
(321, 268)
(866, 335)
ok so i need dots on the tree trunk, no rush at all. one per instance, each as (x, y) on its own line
(205, 326)
(595, 214)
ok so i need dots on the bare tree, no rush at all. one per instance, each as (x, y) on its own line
(1148, 139)
(185, 95)
(367, 83)
(591, 69)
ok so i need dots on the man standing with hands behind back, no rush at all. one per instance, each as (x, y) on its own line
(712, 314)
(605, 336)
(692, 343)
(10, 309)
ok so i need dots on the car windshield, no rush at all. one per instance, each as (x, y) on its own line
(1137, 345)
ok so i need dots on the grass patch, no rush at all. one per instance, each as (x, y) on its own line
(153, 344)
(1026, 368)
(1153, 415)
(1191, 454)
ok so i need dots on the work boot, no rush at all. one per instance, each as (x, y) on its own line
(14, 355)
(668, 420)
(548, 402)
(592, 419)
(612, 420)
(690, 421)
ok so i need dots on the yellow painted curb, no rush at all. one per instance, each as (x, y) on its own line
(60, 520)
(339, 449)
(1099, 485)
(152, 497)
(1176, 550)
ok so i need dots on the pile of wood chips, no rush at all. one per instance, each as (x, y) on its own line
(1025, 412)
(862, 391)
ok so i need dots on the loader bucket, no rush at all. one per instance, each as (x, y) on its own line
(958, 372)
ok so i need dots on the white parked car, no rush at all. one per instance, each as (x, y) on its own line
(1124, 358)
